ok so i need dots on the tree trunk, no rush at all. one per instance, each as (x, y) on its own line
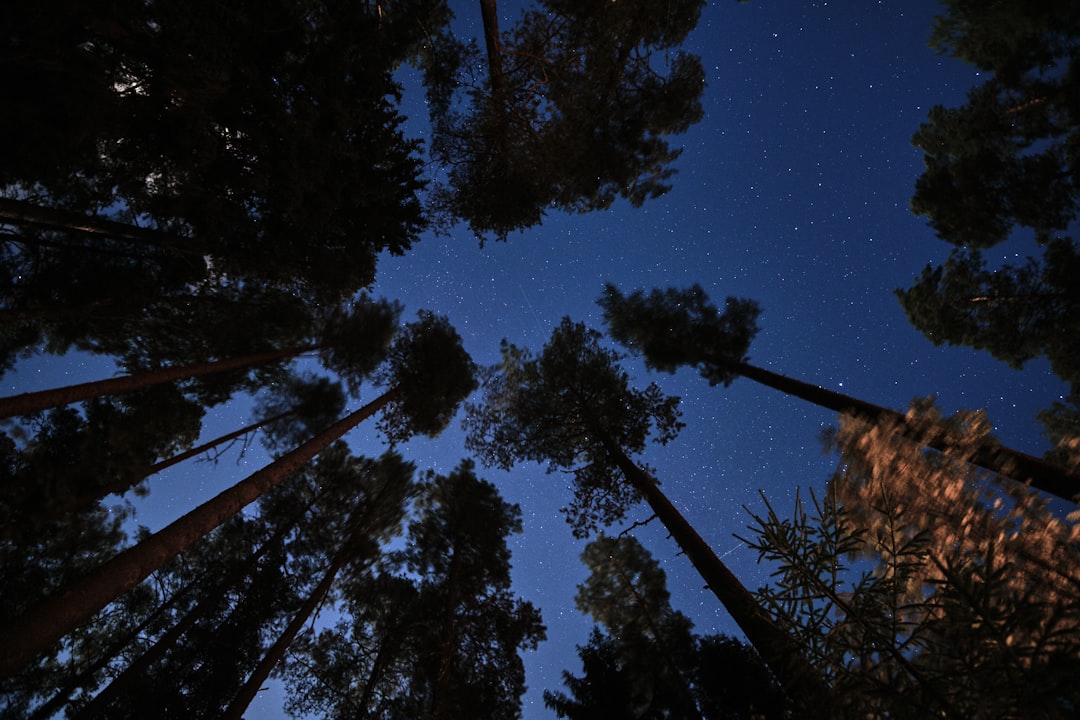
(138, 667)
(44, 399)
(40, 627)
(118, 487)
(490, 15)
(20, 212)
(273, 656)
(440, 694)
(1046, 476)
(799, 680)
(181, 457)
(85, 677)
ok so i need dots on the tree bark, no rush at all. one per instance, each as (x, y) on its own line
(490, 15)
(44, 399)
(273, 656)
(799, 680)
(1041, 474)
(440, 694)
(85, 677)
(168, 639)
(119, 487)
(24, 637)
(20, 212)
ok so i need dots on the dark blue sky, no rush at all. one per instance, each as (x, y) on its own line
(792, 191)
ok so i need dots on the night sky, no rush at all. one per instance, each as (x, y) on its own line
(793, 191)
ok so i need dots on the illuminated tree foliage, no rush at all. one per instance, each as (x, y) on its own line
(922, 588)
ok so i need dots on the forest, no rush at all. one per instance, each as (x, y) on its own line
(417, 359)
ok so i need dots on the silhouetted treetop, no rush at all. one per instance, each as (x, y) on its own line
(430, 374)
(565, 407)
(674, 327)
(575, 110)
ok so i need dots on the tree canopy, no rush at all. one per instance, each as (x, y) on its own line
(1003, 167)
(559, 407)
(642, 659)
(574, 111)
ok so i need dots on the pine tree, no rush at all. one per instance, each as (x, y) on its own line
(922, 588)
(261, 131)
(999, 167)
(435, 633)
(432, 374)
(573, 407)
(644, 661)
(673, 327)
(575, 110)
(351, 343)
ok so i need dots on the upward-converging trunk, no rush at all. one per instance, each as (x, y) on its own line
(118, 487)
(273, 656)
(44, 399)
(164, 644)
(490, 15)
(440, 694)
(1046, 476)
(20, 212)
(778, 651)
(24, 637)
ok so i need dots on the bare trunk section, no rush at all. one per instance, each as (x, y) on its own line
(1023, 468)
(134, 671)
(24, 637)
(799, 680)
(273, 656)
(490, 15)
(119, 487)
(44, 399)
(20, 212)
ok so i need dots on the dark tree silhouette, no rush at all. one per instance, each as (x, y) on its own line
(437, 632)
(261, 131)
(573, 407)
(432, 376)
(674, 327)
(351, 343)
(646, 662)
(574, 112)
(379, 492)
(74, 455)
(1000, 166)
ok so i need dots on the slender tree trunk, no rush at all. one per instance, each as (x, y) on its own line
(40, 627)
(273, 656)
(138, 667)
(118, 487)
(85, 677)
(20, 212)
(44, 399)
(1046, 476)
(490, 15)
(386, 649)
(187, 454)
(801, 682)
(440, 695)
